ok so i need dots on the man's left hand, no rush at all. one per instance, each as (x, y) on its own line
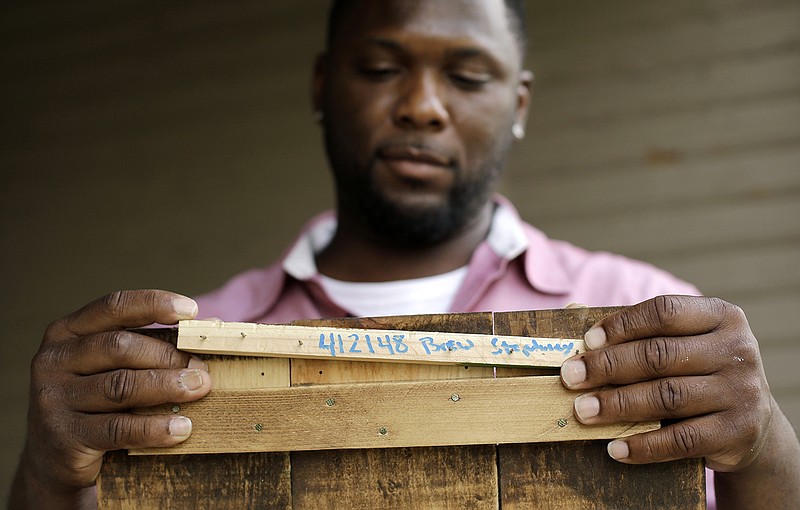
(690, 360)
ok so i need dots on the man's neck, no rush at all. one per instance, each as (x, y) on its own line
(355, 255)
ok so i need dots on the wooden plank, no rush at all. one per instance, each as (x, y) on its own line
(156, 482)
(387, 415)
(312, 371)
(546, 476)
(232, 481)
(442, 477)
(354, 344)
(581, 474)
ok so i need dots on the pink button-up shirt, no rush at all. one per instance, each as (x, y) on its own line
(517, 267)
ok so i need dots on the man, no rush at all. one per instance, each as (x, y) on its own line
(420, 102)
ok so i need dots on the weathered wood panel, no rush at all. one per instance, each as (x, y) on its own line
(449, 477)
(230, 481)
(538, 477)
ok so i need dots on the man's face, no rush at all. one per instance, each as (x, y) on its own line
(419, 97)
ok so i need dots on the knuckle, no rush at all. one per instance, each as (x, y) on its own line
(621, 403)
(53, 329)
(120, 342)
(120, 386)
(125, 431)
(627, 324)
(669, 396)
(686, 440)
(657, 356)
(607, 363)
(45, 360)
(114, 303)
(171, 357)
(666, 310)
(118, 430)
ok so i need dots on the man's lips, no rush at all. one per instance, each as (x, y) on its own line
(419, 155)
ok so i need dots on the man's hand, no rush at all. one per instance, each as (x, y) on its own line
(690, 360)
(88, 375)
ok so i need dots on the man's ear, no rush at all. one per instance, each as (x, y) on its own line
(524, 97)
(318, 83)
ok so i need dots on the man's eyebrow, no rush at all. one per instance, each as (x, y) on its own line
(461, 51)
(468, 52)
(384, 43)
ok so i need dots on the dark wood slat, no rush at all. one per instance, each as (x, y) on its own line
(580, 474)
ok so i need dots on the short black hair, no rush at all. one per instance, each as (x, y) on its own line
(516, 10)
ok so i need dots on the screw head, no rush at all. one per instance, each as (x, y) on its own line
(259, 427)
(176, 408)
(330, 402)
(562, 422)
(454, 397)
(383, 431)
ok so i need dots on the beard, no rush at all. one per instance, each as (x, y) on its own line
(410, 226)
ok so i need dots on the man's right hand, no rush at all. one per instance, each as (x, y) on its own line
(87, 377)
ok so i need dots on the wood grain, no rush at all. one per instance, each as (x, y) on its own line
(224, 482)
(381, 345)
(156, 482)
(403, 478)
(388, 415)
(550, 476)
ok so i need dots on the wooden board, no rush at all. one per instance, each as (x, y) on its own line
(382, 345)
(454, 477)
(230, 482)
(551, 476)
(388, 415)
(157, 482)
(545, 476)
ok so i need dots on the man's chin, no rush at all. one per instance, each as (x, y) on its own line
(416, 220)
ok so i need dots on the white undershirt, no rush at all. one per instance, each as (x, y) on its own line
(431, 294)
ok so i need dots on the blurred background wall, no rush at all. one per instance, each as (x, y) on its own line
(171, 144)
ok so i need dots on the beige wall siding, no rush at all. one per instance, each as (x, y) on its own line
(151, 144)
(670, 131)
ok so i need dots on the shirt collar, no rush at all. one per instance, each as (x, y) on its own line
(508, 238)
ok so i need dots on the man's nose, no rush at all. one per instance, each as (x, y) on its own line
(421, 104)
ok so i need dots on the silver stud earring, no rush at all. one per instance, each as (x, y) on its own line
(518, 132)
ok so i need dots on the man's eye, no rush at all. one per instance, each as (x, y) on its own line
(379, 73)
(469, 81)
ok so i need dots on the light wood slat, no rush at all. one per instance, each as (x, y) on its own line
(387, 415)
(248, 339)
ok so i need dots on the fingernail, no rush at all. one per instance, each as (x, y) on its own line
(195, 362)
(618, 450)
(573, 372)
(587, 406)
(180, 426)
(185, 308)
(190, 379)
(595, 338)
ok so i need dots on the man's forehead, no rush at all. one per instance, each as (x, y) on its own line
(485, 22)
